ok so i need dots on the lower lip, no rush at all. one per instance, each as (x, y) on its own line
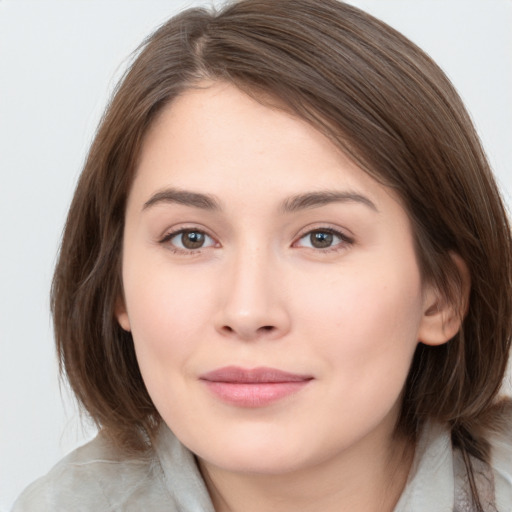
(254, 395)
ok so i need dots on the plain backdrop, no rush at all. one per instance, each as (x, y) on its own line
(59, 61)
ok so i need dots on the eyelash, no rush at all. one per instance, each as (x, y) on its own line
(342, 245)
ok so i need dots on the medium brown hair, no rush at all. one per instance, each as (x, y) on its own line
(382, 101)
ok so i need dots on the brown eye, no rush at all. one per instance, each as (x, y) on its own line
(192, 239)
(188, 239)
(324, 238)
(321, 239)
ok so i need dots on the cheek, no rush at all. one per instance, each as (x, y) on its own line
(168, 312)
(168, 316)
(366, 333)
(367, 324)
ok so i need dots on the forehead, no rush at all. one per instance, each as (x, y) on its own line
(215, 138)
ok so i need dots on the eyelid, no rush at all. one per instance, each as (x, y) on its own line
(326, 226)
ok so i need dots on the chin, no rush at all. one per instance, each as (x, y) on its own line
(256, 462)
(266, 452)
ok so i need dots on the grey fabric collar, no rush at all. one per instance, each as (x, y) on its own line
(182, 476)
(437, 481)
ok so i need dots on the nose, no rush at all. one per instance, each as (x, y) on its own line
(253, 299)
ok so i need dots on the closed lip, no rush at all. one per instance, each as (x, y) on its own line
(253, 388)
(260, 375)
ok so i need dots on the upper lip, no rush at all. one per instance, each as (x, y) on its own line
(235, 374)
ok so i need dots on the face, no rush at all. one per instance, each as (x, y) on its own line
(270, 285)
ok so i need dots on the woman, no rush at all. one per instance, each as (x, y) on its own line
(285, 278)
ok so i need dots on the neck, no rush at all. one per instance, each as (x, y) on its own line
(366, 478)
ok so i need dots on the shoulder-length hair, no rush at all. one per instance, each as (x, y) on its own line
(382, 101)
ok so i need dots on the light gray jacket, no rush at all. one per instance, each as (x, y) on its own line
(95, 478)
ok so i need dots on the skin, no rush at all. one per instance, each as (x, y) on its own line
(260, 293)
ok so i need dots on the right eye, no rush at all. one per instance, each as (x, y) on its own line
(186, 240)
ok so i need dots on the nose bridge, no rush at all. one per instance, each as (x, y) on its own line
(253, 305)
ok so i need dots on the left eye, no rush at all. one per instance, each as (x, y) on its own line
(322, 239)
(189, 239)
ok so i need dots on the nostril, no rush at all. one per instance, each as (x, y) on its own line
(264, 328)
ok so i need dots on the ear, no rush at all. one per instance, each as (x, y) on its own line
(442, 318)
(121, 314)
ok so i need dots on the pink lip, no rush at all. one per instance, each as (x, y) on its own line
(257, 387)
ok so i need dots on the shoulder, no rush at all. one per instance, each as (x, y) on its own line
(501, 456)
(97, 477)
(438, 479)
(493, 479)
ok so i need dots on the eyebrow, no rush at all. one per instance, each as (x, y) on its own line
(185, 197)
(289, 205)
(322, 198)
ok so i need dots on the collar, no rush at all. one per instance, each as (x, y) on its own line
(430, 483)
(182, 477)
(431, 480)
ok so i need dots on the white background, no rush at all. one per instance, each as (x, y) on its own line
(59, 60)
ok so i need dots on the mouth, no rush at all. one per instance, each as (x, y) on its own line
(253, 388)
